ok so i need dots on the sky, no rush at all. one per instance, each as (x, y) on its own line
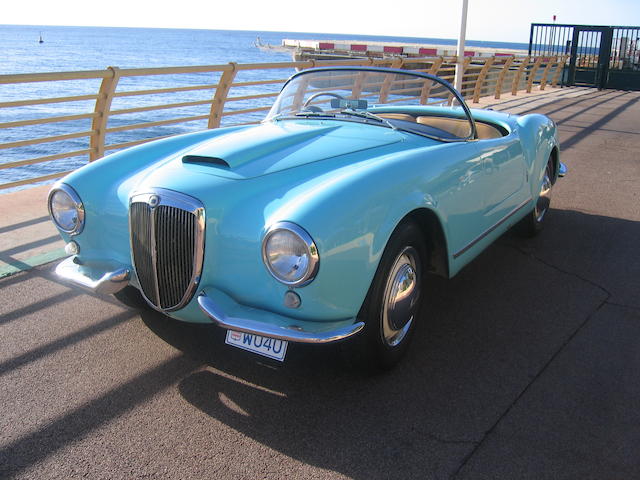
(494, 20)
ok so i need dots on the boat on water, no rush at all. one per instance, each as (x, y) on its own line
(41, 40)
(266, 47)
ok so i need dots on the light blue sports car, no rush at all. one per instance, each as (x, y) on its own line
(318, 225)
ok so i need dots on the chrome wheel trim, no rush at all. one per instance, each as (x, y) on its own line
(544, 199)
(401, 294)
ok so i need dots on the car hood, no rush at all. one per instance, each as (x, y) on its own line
(276, 146)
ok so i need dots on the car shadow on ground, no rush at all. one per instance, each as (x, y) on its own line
(483, 338)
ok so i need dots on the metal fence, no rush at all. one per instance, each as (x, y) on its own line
(599, 56)
(625, 54)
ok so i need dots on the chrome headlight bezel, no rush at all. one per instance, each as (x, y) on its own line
(76, 202)
(311, 251)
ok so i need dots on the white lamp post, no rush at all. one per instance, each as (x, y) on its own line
(461, 39)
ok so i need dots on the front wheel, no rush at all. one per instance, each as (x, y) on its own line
(391, 308)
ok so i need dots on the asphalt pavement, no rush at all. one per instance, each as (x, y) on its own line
(525, 365)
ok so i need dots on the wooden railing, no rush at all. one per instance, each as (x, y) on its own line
(107, 110)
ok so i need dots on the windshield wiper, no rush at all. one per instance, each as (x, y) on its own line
(366, 114)
(290, 115)
(315, 114)
(347, 111)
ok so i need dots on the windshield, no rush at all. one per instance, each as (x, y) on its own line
(403, 100)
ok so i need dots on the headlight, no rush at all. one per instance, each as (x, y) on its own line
(66, 209)
(290, 254)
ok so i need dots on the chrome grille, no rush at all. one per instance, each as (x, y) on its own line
(167, 241)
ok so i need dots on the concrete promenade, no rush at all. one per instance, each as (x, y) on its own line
(525, 365)
(27, 235)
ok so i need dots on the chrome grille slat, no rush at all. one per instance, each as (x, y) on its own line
(142, 248)
(167, 241)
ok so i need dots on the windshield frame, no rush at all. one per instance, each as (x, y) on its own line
(383, 70)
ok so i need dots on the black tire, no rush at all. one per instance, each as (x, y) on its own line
(531, 225)
(388, 331)
(132, 298)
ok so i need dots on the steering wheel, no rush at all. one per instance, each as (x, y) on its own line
(314, 108)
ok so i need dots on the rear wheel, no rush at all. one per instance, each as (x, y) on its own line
(532, 224)
(392, 305)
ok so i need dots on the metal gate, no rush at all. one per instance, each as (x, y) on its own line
(600, 56)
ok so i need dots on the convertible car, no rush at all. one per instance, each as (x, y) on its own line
(319, 224)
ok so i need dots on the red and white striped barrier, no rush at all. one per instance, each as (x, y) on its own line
(385, 49)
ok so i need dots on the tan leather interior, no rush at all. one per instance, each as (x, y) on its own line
(459, 127)
(454, 126)
(399, 116)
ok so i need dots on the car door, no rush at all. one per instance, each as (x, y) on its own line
(503, 179)
(483, 185)
(460, 193)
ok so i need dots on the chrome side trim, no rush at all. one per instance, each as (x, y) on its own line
(90, 279)
(292, 334)
(487, 232)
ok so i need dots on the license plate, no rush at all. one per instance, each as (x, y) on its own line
(269, 347)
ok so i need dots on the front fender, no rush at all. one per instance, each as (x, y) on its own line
(351, 214)
(105, 186)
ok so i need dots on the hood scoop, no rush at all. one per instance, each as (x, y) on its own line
(274, 146)
(204, 160)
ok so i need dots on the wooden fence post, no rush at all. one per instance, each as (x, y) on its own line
(386, 86)
(503, 73)
(356, 90)
(435, 66)
(481, 76)
(426, 87)
(532, 73)
(465, 64)
(463, 68)
(543, 81)
(102, 109)
(516, 79)
(220, 97)
(559, 69)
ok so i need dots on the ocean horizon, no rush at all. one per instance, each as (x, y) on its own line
(90, 48)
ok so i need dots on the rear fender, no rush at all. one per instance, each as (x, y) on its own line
(538, 136)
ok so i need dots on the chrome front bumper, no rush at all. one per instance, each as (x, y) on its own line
(278, 326)
(99, 280)
(223, 311)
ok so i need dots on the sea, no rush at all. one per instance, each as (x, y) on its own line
(96, 48)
